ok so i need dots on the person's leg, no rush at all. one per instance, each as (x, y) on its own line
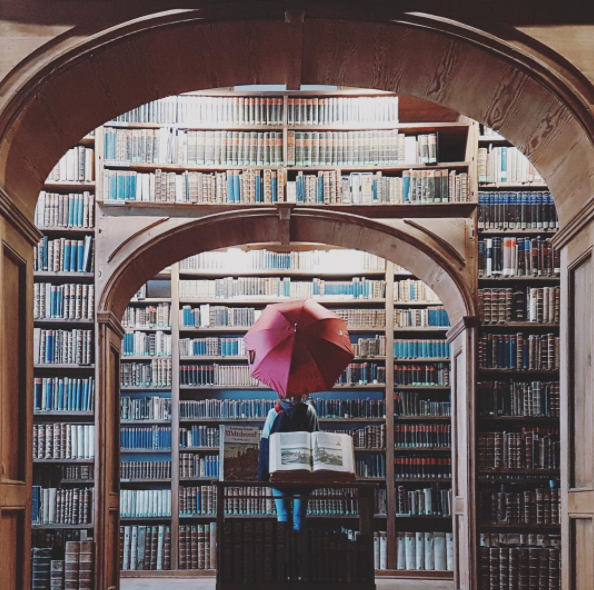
(283, 505)
(299, 511)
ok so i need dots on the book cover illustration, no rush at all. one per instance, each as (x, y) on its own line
(238, 454)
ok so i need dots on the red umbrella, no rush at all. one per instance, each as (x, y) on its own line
(298, 348)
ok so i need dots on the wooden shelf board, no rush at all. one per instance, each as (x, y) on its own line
(520, 419)
(279, 273)
(422, 449)
(520, 279)
(375, 211)
(147, 329)
(514, 324)
(143, 422)
(263, 388)
(415, 480)
(70, 231)
(65, 414)
(62, 276)
(519, 232)
(63, 367)
(513, 186)
(193, 573)
(416, 574)
(70, 186)
(54, 461)
(140, 388)
(422, 387)
(144, 451)
(62, 322)
(144, 358)
(423, 418)
(143, 481)
(62, 526)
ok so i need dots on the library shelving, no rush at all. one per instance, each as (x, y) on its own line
(64, 370)
(519, 299)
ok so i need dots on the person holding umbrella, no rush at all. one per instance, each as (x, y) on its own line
(295, 348)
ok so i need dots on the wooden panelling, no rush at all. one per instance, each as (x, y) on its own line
(16, 407)
(581, 543)
(581, 444)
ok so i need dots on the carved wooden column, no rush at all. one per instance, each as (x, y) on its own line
(17, 237)
(463, 341)
(577, 406)
(107, 456)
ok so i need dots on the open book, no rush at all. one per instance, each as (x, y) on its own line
(325, 455)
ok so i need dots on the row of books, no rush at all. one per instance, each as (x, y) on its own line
(424, 551)
(57, 440)
(170, 145)
(145, 408)
(519, 568)
(531, 304)
(56, 539)
(212, 346)
(360, 148)
(74, 572)
(371, 465)
(350, 408)
(231, 186)
(197, 435)
(76, 165)
(531, 506)
(430, 317)
(156, 343)
(518, 257)
(77, 472)
(197, 500)
(145, 503)
(208, 110)
(519, 351)
(145, 437)
(369, 437)
(531, 448)
(411, 403)
(421, 375)
(413, 290)
(343, 110)
(210, 375)
(197, 549)
(192, 465)
(517, 210)
(60, 210)
(72, 301)
(423, 435)
(275, 287)
(145, 548)
(375, 346)
(63, 394)
(519, 398)
(427, 501)
(64, 255)
(157, 373)
(502, 164)
(62, 346)
(329, 261)
(225, 408)
(328, 187)
(421, 349)
(149, 316)
(139, 470)
(363, 374)
(61, 506)
(256, 552)
(422, 467)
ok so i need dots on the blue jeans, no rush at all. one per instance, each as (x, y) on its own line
(290, 503)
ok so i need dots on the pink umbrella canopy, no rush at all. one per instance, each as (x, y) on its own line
(298, 348)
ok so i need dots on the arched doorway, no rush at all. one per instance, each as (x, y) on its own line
(146, 252)
(467, 70)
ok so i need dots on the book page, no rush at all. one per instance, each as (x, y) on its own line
(290, 451)
(333, 452)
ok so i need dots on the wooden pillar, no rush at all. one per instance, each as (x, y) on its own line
(463, 341)
(17, 237)
(107, 455)
(577, 407)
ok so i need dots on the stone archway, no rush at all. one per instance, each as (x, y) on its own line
(130, 262)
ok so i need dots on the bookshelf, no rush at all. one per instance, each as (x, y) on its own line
(64, 315)
(517, 493)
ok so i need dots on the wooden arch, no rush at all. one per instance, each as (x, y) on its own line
(161, 245)
(76, 89)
